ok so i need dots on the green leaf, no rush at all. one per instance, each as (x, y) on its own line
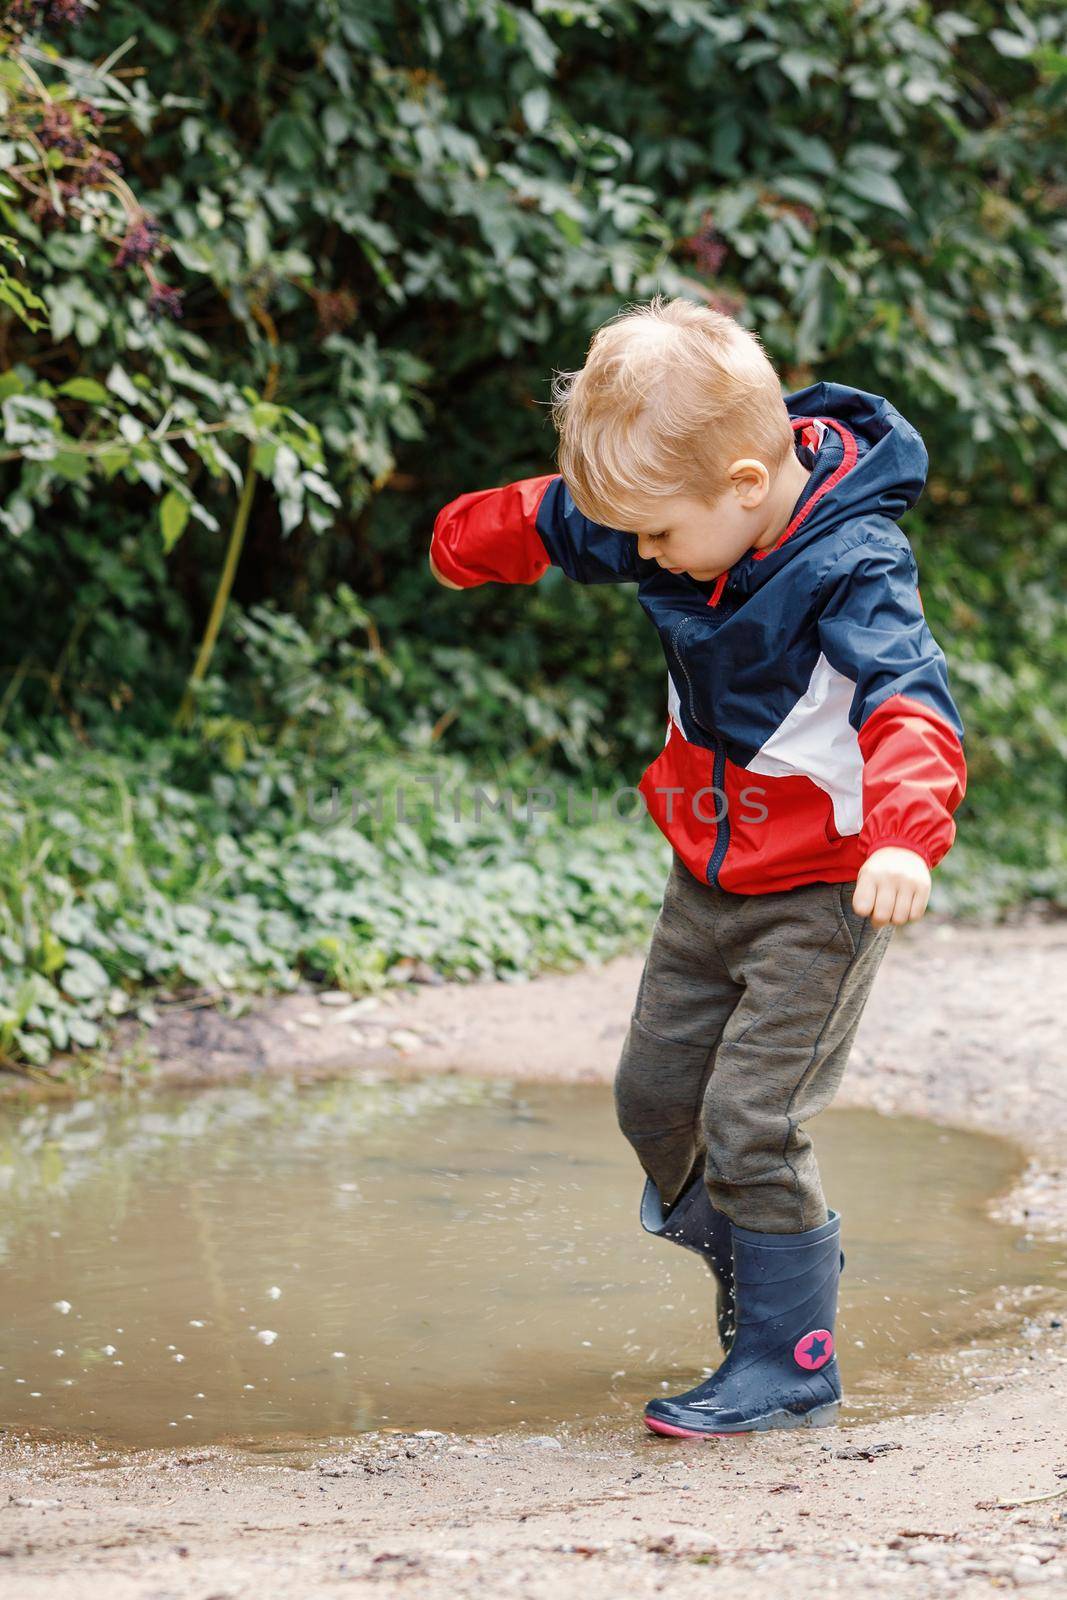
(85, 389)
(877, 187)
(535, 105)
(119, 382)
(83, 977)
(798, 67)
(569, 227)
(864, 154)
(1010, 44)
(112, 460)
(72, 465)
(173, 516)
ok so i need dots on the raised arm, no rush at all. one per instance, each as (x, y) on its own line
(515, 533)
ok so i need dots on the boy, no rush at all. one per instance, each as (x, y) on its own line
(812, 762)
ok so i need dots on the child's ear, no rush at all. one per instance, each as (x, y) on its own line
(750, 481)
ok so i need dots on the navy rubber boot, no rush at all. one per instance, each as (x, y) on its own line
(782, 1370)
(693, 1222)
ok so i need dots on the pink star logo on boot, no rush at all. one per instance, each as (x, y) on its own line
(814, 1349)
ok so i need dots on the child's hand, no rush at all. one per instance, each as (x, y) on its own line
(893, 885)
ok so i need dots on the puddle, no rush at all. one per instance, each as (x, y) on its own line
(283, 1263)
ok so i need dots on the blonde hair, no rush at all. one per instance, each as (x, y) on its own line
(671, 392)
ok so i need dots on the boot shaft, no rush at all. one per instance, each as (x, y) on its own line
(692, 1221)
(786, 1290)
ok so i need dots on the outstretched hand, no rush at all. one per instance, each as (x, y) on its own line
(892, 886)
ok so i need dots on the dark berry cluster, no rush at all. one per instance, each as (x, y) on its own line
(804, 214)
(68, 128)
(100, 165)
(707, 246)
(57, 131)
(163, 301)
(335, 309)
(144, 239)
(44, 212)
(36, 14)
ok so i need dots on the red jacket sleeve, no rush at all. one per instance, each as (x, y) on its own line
(914, 777)
(491, 535)
(513, 534)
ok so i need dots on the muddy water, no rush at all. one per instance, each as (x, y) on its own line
(284, 1263)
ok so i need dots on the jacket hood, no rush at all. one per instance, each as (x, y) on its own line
(884, 470)
(870, 462)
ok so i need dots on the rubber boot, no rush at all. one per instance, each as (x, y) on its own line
(692, 1221)
(782, 1370)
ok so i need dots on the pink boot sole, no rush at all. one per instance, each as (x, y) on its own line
(687, 1433)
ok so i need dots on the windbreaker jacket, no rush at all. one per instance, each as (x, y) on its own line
(809, 717)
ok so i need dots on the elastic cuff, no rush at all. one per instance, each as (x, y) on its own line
(790, 1241)
(903, 844)
(448, 567)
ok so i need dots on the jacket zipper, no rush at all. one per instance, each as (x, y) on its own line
(722, 827)
(718, 771)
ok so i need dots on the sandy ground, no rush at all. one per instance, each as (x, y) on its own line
(965, 1026)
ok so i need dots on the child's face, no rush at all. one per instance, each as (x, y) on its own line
(699, 537)
(705, 537)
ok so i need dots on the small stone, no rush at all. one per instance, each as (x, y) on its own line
(368, 1035)
(369, 1003)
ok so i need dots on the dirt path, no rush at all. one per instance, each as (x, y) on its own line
(965, 1026)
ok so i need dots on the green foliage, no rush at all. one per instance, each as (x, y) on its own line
(72, 436)
(14, 294)
(120, 879)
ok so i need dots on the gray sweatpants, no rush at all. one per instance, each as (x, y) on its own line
(743, 1023)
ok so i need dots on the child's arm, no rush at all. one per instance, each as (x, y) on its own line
(872, 629)
(513, 535)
